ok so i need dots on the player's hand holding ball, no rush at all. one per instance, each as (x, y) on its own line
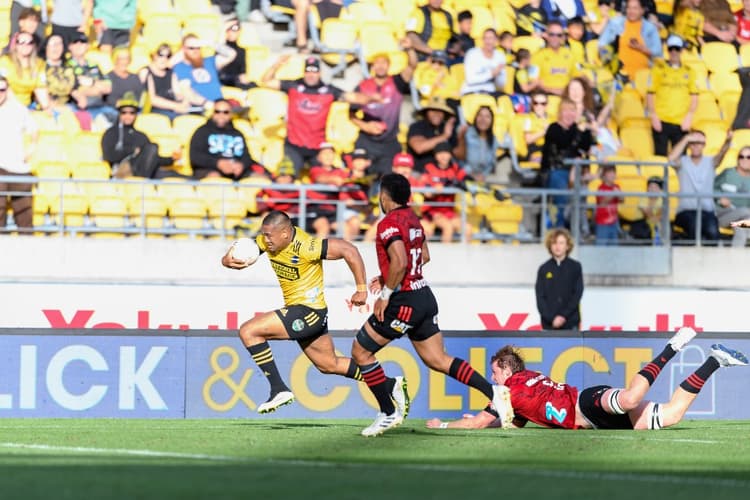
(243, 253)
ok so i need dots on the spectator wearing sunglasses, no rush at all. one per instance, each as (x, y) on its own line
(696, 173)
(735, 180)
(199, 75)
(556, 62)
(218, 149)
(162, 85)
(25, 71)
(235, 74)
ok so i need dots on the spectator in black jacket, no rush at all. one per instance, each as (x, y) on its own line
(130, 152)
(217, 149)
(559, 284)
(235, 74)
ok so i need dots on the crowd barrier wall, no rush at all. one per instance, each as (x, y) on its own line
(208, 374)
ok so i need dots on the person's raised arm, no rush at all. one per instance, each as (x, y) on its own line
(723, 151)
(678, 149)
(269, 79)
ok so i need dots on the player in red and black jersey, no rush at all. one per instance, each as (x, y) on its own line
(405, 306)
(309, 102)
(537, 398)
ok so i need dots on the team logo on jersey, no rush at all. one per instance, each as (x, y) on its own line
(296, 246)
(548, 275)
(415, 233)
(283, 311)
(298, 325)
(294, 259)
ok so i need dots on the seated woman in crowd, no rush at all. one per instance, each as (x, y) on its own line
(25, 71)
(477, 145)
(162, 85)
(61, 79)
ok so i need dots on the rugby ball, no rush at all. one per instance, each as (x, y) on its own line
(245, 249)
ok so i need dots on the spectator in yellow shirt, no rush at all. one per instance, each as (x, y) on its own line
(429, 27)
(688, 22)
(556, 63)
(25, 71)
(672, 98)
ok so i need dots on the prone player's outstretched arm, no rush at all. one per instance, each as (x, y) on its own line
(481, 420)
(342, 249)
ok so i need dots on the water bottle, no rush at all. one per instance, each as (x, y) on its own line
(657, 236)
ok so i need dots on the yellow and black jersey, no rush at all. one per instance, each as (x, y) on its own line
(299, 268)
(672, 87)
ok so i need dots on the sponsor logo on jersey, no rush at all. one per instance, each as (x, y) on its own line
(415, 233)
(283, 311)
(298, 325)
(284, 271)
(388, 232)
(399, 326)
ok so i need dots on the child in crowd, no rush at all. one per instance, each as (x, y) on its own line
(441, 213)
(606, 217)
(649, 228)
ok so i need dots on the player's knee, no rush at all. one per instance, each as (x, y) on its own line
(247, 332)
(327, 367)
(627, 400)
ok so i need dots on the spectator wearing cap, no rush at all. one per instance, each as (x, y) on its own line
(113, 21)
(198, 75)
(433, 78)
(25, 70)
(323, 205)
(16, 126)
(71, 18)
(235, 74)
(461, 42)
(434, 126)
(122, 79)
(379, 120)
(672, 98)
(556, 62)
(440, 210)
(429, 27)
(128, 150)
(484, 67)
(218, 149)
(308, 104)
(91, 85)
(633, 38)
(162, 85)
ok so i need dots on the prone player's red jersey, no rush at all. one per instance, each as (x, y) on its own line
(540, 399)
(402, 224)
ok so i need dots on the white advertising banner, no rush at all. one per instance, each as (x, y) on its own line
(45, 305)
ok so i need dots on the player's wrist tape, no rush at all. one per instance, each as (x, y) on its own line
(385, 293)
(443, 425)
(361, 288)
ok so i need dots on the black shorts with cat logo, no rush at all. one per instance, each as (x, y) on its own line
(413, 313)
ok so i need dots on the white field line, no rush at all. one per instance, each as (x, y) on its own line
(559, 474)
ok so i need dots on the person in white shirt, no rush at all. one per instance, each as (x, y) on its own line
(484, 67)
(15, 121)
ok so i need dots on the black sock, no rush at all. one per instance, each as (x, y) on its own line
(464, 373)
(375, 378)
(353, 371)
(694, 383)
(263, 357)
(653, 369)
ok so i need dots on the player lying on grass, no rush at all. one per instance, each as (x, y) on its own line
(524, 395)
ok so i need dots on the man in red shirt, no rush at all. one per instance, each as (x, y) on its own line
(405, 306)
(309, 102)
(537, 398)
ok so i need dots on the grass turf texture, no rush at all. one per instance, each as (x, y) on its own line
(267, 458)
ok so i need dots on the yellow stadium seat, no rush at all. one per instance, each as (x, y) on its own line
(482, 19)
(716, 134)
(107, 212)
(293, 69)
(641, 81)
(398, 12)
(153, 124)
(162, 28)
(724, 82)
(531, 43)
(719, 57)
(184, 126)
(470, 103)
(638, 140)
(340, 131)
(248, 190)
(51, 170)
(73, 211)
(227, 213)
(362, 13)
(85, 146)
(267, 113)
(95, 170)
(708, 109)
(728, 102)
(628, 208)
(741, 138)
(173, 188)
(628, 104)
(338, 38)
(216, 188)
(100, 59)
(134, 189)
(377, 37)
(207, 26)
(152, 7)
(149, 212)
(188, 213)
(504, 20)
(273, 153)
(257, 61)
(188, 8)
(504, 218)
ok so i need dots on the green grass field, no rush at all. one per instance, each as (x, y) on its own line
(255, 459)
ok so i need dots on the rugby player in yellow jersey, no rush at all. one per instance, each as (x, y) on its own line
(296, 258)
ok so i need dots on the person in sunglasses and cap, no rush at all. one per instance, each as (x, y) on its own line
(308, 105)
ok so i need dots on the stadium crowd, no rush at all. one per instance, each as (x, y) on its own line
(503, 93)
